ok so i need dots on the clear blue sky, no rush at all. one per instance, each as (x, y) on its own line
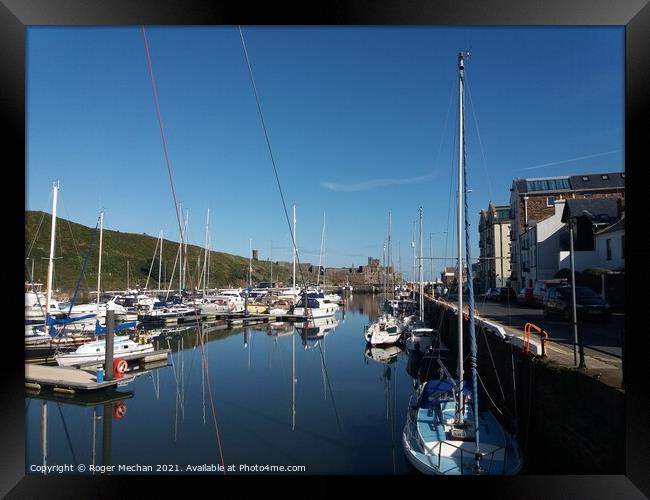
(361, 121)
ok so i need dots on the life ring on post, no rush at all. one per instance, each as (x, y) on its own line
(119, 410)
(119, 367)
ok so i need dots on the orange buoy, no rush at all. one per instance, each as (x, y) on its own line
(119, 367)
(119, 410)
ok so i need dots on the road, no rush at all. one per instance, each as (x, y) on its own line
(605, 336)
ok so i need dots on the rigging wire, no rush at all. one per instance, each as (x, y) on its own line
(268, 145)
(178, 220)
(29, 251)
(478, 133)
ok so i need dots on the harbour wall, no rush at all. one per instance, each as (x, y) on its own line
(565, 421)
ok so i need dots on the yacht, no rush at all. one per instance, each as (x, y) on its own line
(95, 352)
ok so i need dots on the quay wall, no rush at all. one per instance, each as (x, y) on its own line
(565, 421)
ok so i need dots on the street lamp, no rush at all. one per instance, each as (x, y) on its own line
(577, 339)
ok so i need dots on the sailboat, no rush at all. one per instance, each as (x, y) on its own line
(445, 432)
(386, 330)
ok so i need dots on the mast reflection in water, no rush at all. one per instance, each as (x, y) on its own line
(304, 395)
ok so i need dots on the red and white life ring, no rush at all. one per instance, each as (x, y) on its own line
(119, 410)
(119, 367)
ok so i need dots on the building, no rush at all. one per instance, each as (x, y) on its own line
(589, 219)
(533, 201)
(494, 247)
(372, 274)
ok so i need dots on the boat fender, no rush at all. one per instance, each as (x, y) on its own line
(119, 410)
(119, 367)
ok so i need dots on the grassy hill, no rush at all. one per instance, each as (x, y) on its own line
(72, 241)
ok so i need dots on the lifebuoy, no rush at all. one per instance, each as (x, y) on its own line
(119, 367)
(231, 306)
(119, 410)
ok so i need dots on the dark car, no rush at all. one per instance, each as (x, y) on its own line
(525, 297)
(589, 305)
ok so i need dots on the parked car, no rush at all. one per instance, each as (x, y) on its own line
(506, 294)
(589, 305)
(542, 286)
(525, 296)
(492, 294)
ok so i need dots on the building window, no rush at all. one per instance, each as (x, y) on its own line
(608, 242)
(604, 177)
(550, 201)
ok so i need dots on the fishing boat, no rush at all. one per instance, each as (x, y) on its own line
(95, 352)
(445, 431)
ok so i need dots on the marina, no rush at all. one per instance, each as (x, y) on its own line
(356, 350)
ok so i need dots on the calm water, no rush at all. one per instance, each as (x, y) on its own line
(349, 409)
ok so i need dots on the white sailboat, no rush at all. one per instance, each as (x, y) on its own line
(445, 432)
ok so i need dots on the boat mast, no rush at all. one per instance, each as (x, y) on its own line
(389, 263)
(461, 140)
(320, 258)
(160, 260)
(99, 266)
(294, 248)
(205, 255)
(250, 262)
(50, 266)
(421, 278)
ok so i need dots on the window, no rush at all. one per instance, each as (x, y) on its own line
(587, 195)
(550, 201)
(608, 242)
(604, 177)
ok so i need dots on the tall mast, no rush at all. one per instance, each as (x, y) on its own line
(421, 278)
(294, 248)
(99, 266)
(160, 260)
(50, 266)
(413, 245)
(205, 255)
(389, 264)
(320, 258)
(461, 140)
(250, 262)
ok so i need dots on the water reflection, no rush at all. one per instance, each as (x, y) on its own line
(252, 395)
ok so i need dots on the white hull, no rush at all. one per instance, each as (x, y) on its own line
(95, 352)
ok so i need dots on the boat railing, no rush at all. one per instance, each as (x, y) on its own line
(484, 456)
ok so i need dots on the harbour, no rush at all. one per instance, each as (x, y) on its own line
(338, 343)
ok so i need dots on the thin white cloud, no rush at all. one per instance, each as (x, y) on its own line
(375, 183)
(570, 160)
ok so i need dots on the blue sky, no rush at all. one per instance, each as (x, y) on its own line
(361, 121)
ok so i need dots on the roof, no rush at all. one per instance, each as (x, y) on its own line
(582, 182)
(598, 181)
(598, 210)
(620, 225)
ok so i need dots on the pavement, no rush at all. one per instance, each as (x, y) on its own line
(602, 341)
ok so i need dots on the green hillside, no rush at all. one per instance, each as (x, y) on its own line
(72, 242)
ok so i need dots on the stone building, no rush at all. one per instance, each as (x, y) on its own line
(494, 247)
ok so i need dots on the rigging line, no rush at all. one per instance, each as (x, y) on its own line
(451, 186)
(67, 434)
(268, 145)
(496, 372)
(74, 242)
(478, 133)
(178, 219)
(43, 213)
